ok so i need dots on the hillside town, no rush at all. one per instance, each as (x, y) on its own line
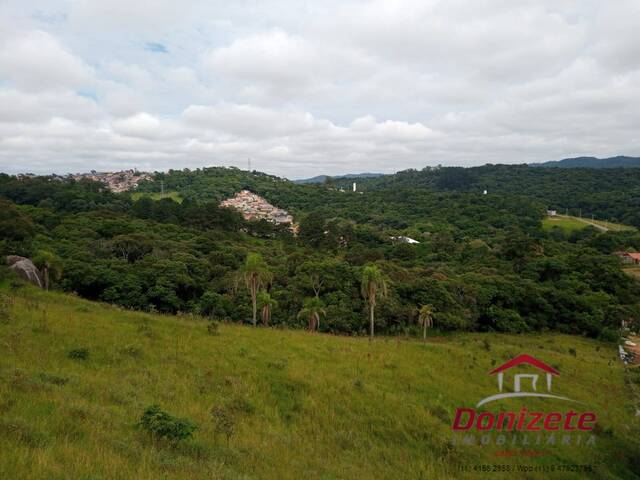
(254, 207)
(116, 181)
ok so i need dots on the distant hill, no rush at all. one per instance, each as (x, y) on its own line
(592, 162)
(322, 178)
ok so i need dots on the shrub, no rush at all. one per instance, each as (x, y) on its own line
(212, 327)
(223, 422)
(5, 308)
(161, 425)
(53, 379)
(79, 354)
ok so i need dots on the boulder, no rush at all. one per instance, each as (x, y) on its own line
(25, 269)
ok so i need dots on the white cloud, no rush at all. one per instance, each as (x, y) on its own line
(35, 60)
(315, 87)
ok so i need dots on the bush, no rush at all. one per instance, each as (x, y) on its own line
(161, 425)
(79, 354)
(5, 308)
(212, 327)
(223, 422)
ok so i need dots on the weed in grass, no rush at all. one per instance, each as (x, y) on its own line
(441, 413)
(572, 352)
(78, 354)
(486, 344)
(241, 405)
(22, 433)
(14, 339)
(223, 422)
(144, 328)
(132, 351)
(6, 404)
(5, 308)
(213, 327)
(278, 364)
(20, 380)
(53, 379)
(42, 324)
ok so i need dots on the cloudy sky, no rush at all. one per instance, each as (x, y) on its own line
(304, 88)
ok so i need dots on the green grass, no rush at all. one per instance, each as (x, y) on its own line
(175, 196)
(569, 223)
(303, 405)
(616, 227)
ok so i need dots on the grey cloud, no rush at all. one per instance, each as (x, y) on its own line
(315, 87)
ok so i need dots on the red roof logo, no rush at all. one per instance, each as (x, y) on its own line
(524, 358)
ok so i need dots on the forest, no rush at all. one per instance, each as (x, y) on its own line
(483, 261)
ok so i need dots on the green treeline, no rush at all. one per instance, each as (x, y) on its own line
(483, 262)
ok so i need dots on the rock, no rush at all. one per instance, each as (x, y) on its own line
(25, 268)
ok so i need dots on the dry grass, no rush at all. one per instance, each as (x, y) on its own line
(303, 405)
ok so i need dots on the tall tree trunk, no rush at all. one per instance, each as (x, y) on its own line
(254, 305)
(424, 330)
(371, 319)
(46, 278)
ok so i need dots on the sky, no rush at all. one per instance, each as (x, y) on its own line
(307, 87)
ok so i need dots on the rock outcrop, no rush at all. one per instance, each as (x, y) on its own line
(25, 268)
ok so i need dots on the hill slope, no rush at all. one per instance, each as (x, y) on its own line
(592, 162)
(303, 405)
(349, 176)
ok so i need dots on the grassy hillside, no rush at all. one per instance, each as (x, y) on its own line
(175, 196)
(570, 223)
(302, 405)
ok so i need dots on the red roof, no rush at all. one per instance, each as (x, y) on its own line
(634, 255)
(524, 358)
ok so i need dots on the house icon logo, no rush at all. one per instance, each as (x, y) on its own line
(520, 380)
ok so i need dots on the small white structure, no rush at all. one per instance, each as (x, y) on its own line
(403, 239)
(552, 213)
(484, 192)
(354, 186)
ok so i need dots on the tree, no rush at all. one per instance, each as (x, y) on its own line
(50, 266)
(425, 318)
(373, 286)
(312, 228)
(312, 310)
(319, 273)
(266, 304)
(255, 275)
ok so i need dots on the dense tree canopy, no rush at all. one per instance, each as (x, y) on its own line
(483, 262)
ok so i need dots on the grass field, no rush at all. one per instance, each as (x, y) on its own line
(566, 223)
(569, 223)
(302, 405)
(175, 196)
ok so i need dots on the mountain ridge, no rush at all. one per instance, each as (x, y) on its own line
(619, 161)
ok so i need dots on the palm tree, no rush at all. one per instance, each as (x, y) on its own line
(312, 310)
(373, 286)
(425, 318)
(50, 266)
(255, 275)
(267, 304)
